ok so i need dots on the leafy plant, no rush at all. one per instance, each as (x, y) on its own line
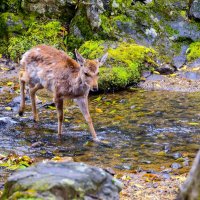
(48, 33)
(13, 162)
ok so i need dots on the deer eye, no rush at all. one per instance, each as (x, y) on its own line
(87, 74)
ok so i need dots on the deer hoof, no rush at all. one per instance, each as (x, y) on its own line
(20, 113)
(96, 139)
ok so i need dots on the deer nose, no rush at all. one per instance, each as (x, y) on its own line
(95, 89)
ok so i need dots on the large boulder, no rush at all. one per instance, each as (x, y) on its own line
(195, 9)
(67, 180)
(63, 9)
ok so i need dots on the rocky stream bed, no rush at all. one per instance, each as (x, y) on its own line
(150, 137)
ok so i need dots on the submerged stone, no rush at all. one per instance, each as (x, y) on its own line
(66, 180)
(176, 166)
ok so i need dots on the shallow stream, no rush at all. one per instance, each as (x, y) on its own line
(142, 130)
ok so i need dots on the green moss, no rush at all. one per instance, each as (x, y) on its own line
(193, 51)
(10, 5)
(80, 23)
(13, 22)
(119, 6)
(92, 49)
(124, 64)
(170, 30)
(37, 34)
(109, 24)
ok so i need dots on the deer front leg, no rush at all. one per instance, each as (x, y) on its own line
(59, 107)
(83, 105)
(33, 91)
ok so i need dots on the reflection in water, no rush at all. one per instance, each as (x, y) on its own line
(144, 129)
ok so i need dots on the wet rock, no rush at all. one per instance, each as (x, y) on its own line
(179, 61)
(67, 180)
(156, 77)
(132, 107)
(93, 10)
(37, 144)
(123, 101)
(4, 121)
(195, 63)
(176, 166)
(186, 30)
(190, 75)
(167, 148)
(146, 74)
(166, 176)
(16, 101)
(110, 171)
(177, 155)
(123, 167)
(166, 69)
(186, 162)
(195, 10)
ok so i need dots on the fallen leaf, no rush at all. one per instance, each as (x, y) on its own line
(156, 72)
(184, 67)
(118, 117)
(8, 108)
(195, 69)
(98, 110)
(193, 123)
(10, 83)
(172, 75)
(4, 68)
(98, 99)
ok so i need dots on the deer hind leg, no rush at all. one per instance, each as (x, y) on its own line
(59, 107)
(83, 105)
(33, 91)
(22, 92)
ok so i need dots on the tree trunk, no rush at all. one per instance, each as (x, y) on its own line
(190, 190)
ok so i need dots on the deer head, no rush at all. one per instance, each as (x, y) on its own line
(90, 70)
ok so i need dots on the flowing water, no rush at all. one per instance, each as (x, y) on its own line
(142, 129)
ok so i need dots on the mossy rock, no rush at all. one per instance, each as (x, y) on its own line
(66, 180)
(54, 9)
(14, 23)
(125, 62)
(193, 51)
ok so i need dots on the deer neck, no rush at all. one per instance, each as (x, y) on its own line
(81, 88)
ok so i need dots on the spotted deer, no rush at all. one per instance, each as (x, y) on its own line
(52, 69)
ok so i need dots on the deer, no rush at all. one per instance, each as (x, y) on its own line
(52, 69)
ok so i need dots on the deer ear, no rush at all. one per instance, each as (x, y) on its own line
(79, 58)
(102, 60)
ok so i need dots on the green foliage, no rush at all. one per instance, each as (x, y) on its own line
(124, 63)
(193, 51)
(10, 5)
(13, 22)
(170, 30)
(37, 34)
(92, 49)
(13, 162)
(119, 6)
